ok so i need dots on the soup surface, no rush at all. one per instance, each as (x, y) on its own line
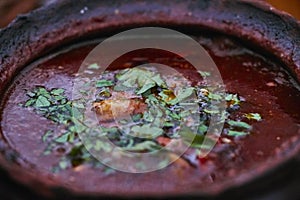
(261, 116)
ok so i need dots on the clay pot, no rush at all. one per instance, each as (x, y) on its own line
(47, 29)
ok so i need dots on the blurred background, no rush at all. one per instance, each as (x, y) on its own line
(9, 9)
(289, 6)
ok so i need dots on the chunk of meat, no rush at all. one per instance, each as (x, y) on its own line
(111, 109)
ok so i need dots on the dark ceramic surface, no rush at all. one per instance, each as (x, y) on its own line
(36, 34)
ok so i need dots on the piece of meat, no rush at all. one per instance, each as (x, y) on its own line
(111, 109)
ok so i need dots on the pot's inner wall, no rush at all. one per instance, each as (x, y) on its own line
(265, 86)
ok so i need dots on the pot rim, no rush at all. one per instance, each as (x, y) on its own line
(34, 35)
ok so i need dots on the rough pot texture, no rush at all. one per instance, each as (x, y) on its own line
(34, 35)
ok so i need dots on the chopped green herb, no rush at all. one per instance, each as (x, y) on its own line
(167, 95)
(104, 83)
(146, 131)
(136, 117)
(158, 80)
(239, 124)
(101, 145)
(237, 133)
(146, 87)
(233, 99)
(31, 94)
(63, 138)
(169, 124)
(143, 146)
(190, 137)
(63, 164)
(46, 135)
(103, 94)
(185, 93)
(204, 73)
(215, 96)
(202, 129)
(42, 101)
(94, 66)
(30, 102)
(210, 111)
(57, 92)
(141, 77)
(166, 114)
(254, 116)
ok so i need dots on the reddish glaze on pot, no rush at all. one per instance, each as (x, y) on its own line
(273, 95)
(266, 76)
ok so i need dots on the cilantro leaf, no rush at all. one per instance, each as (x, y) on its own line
(237, 133)
(146, 131)
(239, 124)
(233, 99)
(183, 94)
(254, 116)
(146, 145)
(63, 138)
(104, 83)
(57, 91)
(46, 135)
(204, 73)
(146, 87)
(193, 139)
(42, 101)
(30, 102)
(140, 77)
(93, 66)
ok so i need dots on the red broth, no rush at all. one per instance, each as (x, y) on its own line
(265, 85)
